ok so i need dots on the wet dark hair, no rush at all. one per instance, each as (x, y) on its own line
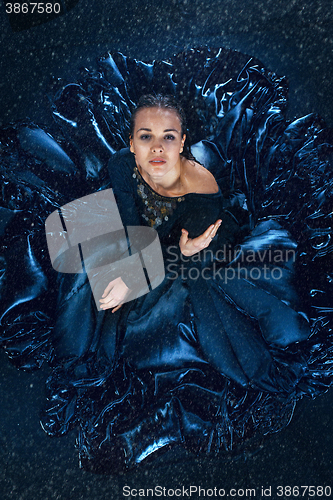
(164, 102)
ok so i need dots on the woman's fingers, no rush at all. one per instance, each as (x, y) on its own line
(209, 234)
(183, 237)
(108, 288)
(107, 298)
(112, 302)
(211, 230)
(215, 228)
(116, 308)
(113, 298)
(108, 302)
(183, 240)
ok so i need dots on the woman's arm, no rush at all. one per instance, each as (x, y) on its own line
(120, 169)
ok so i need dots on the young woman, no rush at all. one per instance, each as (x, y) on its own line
(157, 142)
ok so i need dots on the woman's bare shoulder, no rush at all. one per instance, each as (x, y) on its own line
(200, 179)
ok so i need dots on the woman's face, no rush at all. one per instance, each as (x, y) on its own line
(157, 141)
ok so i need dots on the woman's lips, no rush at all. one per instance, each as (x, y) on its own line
(157, 161)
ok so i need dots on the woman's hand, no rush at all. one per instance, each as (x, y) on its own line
(114, 295)
(189, 246)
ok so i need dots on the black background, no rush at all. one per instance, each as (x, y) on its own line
(293, 38)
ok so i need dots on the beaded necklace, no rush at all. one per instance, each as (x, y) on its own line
(157, 208)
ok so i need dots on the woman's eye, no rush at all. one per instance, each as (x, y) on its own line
(144, 137)
(169, 137)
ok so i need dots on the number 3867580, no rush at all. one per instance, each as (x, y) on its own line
(33, 8)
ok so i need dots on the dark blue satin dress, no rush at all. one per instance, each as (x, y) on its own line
(220, 352)
(177, 354)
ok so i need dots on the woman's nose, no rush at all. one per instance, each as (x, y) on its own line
(157, 147)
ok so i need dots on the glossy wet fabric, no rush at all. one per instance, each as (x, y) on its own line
(222, 349)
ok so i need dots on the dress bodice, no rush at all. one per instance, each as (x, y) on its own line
(139, 204)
